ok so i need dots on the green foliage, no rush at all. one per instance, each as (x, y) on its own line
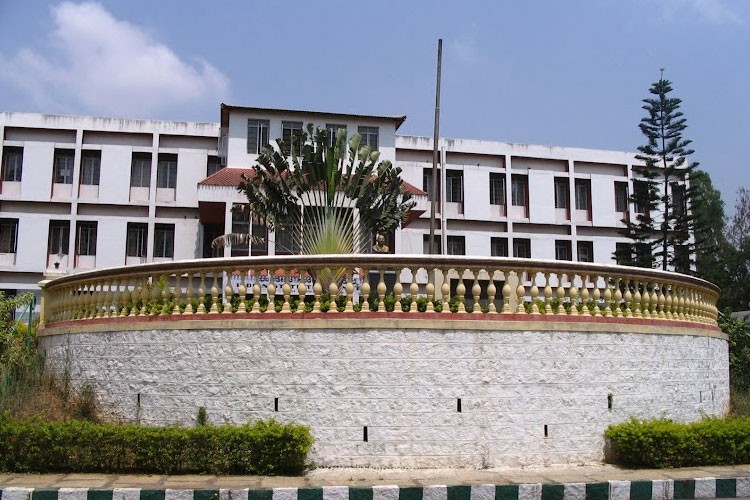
(313, 194)
(202, 417)
(264, 447)
(739, 403)
(17, 345)
(665, 192)
(739, 350)
(663, 443)
(709, 222)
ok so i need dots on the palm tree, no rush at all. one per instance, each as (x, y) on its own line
(330, 194)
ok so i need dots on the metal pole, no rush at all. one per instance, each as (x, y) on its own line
(435, 150)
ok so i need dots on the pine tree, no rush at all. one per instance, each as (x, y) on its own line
(662, 229)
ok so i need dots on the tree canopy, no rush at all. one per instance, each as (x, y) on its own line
(663, 225)
(332, 197)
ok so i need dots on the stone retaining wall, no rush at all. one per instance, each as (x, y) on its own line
(420, 397)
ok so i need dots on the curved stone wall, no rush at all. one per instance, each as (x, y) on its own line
(457, 397)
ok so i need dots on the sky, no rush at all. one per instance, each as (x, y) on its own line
(551, 72)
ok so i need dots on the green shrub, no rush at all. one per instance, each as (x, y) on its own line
(264, 447)
(739, 350)
(202, 417)
(662, 443)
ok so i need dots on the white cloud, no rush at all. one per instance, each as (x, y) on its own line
(102, 65)
(710, 11)
(466, 49)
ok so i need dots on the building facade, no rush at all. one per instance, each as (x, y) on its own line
(79, 193)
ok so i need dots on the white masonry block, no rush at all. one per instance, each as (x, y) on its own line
(662, 489)
(435, 492)
(233, 494)
(530, 491)
(575, 491)
(178, 494)
(384, 492)
(126, 494)
(743, 487)
(483, 492)
(285, 494)
(705, 487)
(17, 493)
(72, 493)
(335, 493)
(619, 490)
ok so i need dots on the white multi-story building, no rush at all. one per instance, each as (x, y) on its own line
(78, 193)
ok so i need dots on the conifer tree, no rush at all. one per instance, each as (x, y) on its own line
(663, 225)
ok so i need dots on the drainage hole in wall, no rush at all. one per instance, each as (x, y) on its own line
(609, 401)
(458, 405)
(275, 404)
(546, 434)
(364, 434)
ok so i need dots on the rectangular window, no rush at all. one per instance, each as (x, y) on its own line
(522, 248)
(583, 194)
(333, 130)
(499, 247)
(682, 259)
(369, 137)
(86, 238)
(291, 132)
(623, 253)
(519, 190)
(288, 239)
(426, 244)
(454, 186)
(63, 166)
(640, 195)
(90, 167)
(8, 235)
(164, 240)
(679, 205)
(497, 189)
(166, 171)
(240, 225)
(137, 239)
(621, 196)
(585, 251)
(644, 254)
(259, 245)
(257, 135)
(562, 191)
(456, 245)
(213, 165)
(12, 163)
(427, 183)
(563, 250)
(140, 171)
(59, 237)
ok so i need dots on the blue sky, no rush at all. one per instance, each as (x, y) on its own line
(563, 73)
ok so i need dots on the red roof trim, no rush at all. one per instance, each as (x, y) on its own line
(231, 176)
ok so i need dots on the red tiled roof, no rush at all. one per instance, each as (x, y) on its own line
(413, 190)
(226, 177)
(233, 175)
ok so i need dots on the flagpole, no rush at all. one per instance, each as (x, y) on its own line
(435, 137)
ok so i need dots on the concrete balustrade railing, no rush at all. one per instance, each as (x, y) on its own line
(402, 284)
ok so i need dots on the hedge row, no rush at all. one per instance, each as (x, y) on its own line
(663, 443)
(264, 447)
